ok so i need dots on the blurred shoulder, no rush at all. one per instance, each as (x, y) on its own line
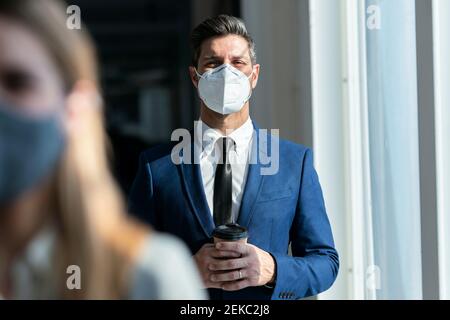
(164, 270)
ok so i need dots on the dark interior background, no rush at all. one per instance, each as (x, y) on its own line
(144, 53)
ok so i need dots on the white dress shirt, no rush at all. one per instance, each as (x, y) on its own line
(238, 157)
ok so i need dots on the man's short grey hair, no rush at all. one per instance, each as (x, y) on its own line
(221, 25)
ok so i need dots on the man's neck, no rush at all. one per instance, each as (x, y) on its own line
(224, 123)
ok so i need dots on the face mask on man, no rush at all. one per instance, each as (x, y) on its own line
(30, 147)
(224, 89)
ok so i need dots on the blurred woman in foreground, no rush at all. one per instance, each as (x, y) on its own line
(59, 205)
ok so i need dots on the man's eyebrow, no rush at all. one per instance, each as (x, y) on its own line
(243, 57)
(213, 57)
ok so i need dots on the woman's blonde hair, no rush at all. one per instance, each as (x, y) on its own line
(93, 232)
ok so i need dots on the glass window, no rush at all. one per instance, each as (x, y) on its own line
(394, 155)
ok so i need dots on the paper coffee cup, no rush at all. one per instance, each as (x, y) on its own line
(230, 233)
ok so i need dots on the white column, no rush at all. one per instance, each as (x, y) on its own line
(441, 39)
(328, 131)
(359, 214)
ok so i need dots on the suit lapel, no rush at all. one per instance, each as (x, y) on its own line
(254, 181)
(195, 193)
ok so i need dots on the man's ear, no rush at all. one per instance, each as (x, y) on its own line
(193, 76)
(255, 76)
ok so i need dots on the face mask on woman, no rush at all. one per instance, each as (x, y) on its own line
(30, 147)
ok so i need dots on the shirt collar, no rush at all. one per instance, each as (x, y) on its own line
(242, 136)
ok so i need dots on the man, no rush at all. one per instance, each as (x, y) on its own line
(279, 208)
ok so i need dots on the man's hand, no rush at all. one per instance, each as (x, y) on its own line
(208, 255)
(254, 267)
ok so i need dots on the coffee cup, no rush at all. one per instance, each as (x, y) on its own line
(229, 233)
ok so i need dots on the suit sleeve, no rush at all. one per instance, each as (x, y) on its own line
(314, 263)
(141, 201)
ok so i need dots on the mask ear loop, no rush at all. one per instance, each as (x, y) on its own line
(251, 74)
(198, 74)
(251, 89)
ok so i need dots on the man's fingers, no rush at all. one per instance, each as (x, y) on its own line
(236, 285)
(206, 277)
(239, 247)
(214, 285)
(208, 245)
(230, 264)
(224, 254)
(229, 276)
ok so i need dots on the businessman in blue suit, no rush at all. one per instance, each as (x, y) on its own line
(229, 170)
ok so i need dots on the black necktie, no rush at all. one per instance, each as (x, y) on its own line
(223, 184)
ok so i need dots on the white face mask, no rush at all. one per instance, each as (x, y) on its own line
(224, 89)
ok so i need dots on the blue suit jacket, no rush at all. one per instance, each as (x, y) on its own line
(278, 210)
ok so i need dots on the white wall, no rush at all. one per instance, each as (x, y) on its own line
(282, 98)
